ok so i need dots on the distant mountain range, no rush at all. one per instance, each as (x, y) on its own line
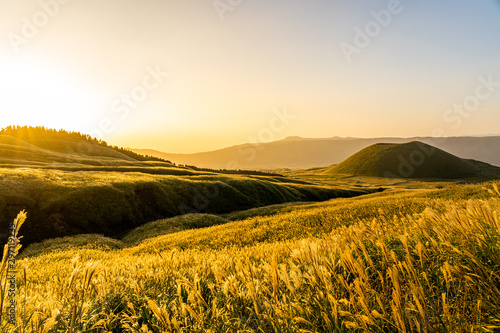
(303, 153)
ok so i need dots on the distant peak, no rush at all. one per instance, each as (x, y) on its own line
(293, 138)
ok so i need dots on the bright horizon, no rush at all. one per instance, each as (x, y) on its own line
(182, 77)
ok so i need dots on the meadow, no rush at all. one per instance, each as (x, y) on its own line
(64, 203)
(71, 184)
(113, 241)
(402, 260)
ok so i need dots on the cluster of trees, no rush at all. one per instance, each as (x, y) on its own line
(32, 133)
(234, 172)
(40, 132)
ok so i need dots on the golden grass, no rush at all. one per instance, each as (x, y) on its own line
(8, 264)
(436, 271)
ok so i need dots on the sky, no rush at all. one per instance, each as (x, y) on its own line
(191, 76)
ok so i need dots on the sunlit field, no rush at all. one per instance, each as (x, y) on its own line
(231, 166)
(68, 190)
(398, 261)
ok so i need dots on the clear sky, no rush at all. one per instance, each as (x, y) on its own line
(188, 76)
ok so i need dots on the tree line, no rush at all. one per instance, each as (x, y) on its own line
(32, 133)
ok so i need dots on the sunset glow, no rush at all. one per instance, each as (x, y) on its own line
(387, 68)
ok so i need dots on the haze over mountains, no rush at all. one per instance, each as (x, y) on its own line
(302, 153)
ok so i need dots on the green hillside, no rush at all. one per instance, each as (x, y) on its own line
(411, 160)
(28, 146)
(172, 249)
(397, 261)
(71, 184)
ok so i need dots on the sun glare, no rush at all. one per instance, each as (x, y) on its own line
(38, 96)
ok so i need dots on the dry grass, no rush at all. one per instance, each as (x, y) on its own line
(436, 271)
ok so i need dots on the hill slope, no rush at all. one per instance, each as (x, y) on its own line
(67, 189)
(300, 153)
(382, 263)
(25, 146)
(410, 160)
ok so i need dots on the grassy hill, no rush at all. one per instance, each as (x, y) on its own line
(65, 202)
(72, 184)
(419, 257)
(28, 146)
(411, 160)
(396, 261)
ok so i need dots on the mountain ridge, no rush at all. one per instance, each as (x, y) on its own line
(303, 153)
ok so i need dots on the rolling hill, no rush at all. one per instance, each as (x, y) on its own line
(28, 146)
(384, 262)
(301, 153)
(411, 160)
(71, 184)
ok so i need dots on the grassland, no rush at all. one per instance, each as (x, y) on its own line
(72, 184)
(404, 260)
(63, 203)
(167, 248)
